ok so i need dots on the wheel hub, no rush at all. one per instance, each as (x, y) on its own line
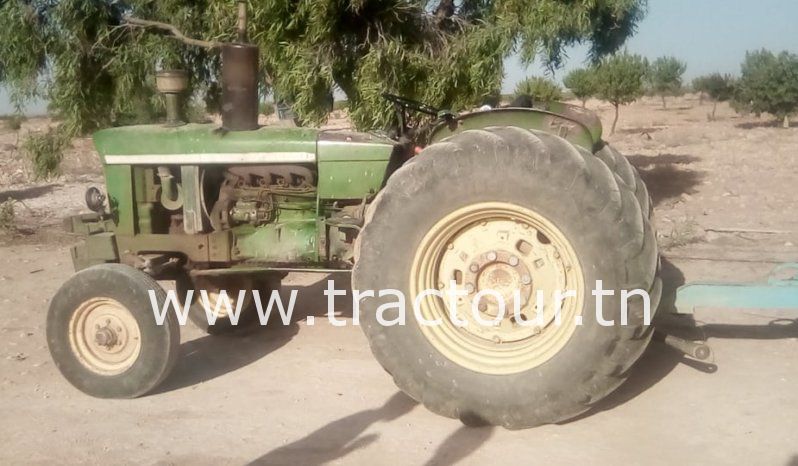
(492, 251)
(104, 336)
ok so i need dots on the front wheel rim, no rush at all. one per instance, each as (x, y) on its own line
(104, 336)
(500, 246)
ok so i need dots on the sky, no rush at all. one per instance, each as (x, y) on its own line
(710, 35)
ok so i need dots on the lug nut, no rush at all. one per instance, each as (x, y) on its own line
(483, 307)
(513, 261)
(526, 279)
(491, 256)
(474, 268)
(469, 288)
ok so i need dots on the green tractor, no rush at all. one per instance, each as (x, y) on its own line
(499, 203)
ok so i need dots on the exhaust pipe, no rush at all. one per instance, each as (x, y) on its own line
(240, 80)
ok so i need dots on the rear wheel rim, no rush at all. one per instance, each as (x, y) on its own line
(504, 247)
(104, 336)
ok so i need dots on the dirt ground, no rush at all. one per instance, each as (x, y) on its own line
(305, 395)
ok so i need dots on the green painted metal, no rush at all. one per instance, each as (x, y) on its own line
(201, 139)
(119, 186)
(202, 248)
(352, 170)
(293, 236)
(98, 248)
(780, 292)
(570, 129)
(587, 118)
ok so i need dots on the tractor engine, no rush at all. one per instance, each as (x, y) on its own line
(250, 194)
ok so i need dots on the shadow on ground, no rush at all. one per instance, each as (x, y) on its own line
(208, 357)
(668, 176)
(341, 437)
(27, 193)
(338, 438)
(766, 123)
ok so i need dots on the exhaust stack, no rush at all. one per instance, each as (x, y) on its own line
(240, 80)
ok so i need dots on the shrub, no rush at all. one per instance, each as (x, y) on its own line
(539, 89)
(45, 151)
(14, 122)
(266, 108)
(7, 216)
(339, 105)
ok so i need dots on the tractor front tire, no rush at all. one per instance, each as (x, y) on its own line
(103, 335)
(506, 208)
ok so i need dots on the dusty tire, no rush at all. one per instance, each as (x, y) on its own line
(223, 325)
(628, 175)
(538, 172)
(103, 335)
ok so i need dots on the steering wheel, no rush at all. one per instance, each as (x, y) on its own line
(409, 104)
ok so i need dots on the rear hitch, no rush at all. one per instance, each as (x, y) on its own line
(699, 351)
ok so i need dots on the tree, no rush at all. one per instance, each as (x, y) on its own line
(582, 83)
(700, 85)
(769, 83)
(540, 89)
(665, 77)
(619, 80)
(80, 56)
(719, 88)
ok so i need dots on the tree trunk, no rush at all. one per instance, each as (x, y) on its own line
(615, 121)
(664, 104)
(714, 109)
(786, 121)
(584, 103)
(700, 98)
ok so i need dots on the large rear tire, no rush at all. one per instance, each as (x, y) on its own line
(507, 207)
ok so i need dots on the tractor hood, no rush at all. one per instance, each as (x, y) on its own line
(198, 143)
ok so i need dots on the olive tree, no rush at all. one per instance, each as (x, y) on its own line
(665, 77)
(619, 80)
(769, 83)
(719, 88)
(582, 82)
(94, 69)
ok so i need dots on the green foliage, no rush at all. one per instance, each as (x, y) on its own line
(14, 122)
(94, 72)
(45, 151)
(540, 89)
(620, 80)
(266, 108)
(719, 88)
(340, 105)
(7, 216)
(665, 76)
(582, 83)
(769, 83)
